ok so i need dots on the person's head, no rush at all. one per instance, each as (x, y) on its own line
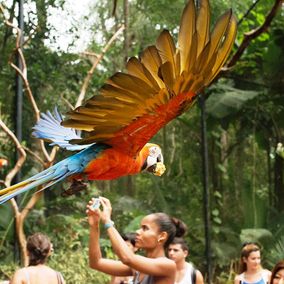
(250, 257)
(158, 229)
(277, 275)
(178, 250)
(39, 248)
(129, 238)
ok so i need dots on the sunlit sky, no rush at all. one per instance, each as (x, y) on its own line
(62, 20)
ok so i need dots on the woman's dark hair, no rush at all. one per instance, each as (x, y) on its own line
(181, 242)
(129, 237)
(276, 268)
(172, 226)
(38, 246)
(247, 249)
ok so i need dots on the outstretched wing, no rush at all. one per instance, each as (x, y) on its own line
(131, 107)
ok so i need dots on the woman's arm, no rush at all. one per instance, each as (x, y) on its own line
(199, 277)
(161, 266)
(112, 267)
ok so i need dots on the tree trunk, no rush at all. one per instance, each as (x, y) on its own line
(278, 183)
(269, 174)
(21, 238)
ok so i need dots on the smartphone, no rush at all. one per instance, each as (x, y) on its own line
(96, 204)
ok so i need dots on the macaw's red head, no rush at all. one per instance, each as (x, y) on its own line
(154, 160)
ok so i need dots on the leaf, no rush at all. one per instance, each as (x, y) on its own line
(227, 101)
(215, 212)
(255, 235)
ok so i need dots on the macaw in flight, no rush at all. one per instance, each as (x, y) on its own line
(132, 107)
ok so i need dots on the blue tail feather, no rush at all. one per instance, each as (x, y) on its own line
(69, 166)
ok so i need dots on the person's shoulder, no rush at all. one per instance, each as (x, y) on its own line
(238, 277)
(199, 276)
(21, 271)
(266, 273)
(19, 276)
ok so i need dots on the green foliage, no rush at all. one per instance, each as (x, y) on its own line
(73, 264)
(256, 235)
(245, 122)
(277, 251)
(226, 100)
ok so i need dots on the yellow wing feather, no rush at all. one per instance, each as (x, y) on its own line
(203, 26)
(187, 29)
(167, 51)
(131, 107)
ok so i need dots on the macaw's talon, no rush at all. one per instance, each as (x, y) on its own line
(75, 187)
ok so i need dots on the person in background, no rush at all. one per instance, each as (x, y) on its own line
(251, 270)
(157, 230)
(277, 275)
(39, 249)
(186, 273)
(129, 238)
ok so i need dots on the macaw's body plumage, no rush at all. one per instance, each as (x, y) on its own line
(132, 107)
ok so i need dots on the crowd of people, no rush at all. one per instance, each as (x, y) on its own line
(165, 252)
(164, 260)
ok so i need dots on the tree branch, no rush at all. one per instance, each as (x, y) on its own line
(20, 216)
(23, 75)
(21, 150)
(96, 62)
(249, 36)
(34, 155)
(248, 11)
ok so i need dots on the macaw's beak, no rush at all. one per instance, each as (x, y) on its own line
(154, 162)
(157, 169)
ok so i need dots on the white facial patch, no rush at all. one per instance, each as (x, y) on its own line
(154, 151)
(155, 155)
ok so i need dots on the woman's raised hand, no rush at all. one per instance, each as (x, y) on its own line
(93, 214)
(106, 210)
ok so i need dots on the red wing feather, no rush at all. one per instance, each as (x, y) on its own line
(140, 131)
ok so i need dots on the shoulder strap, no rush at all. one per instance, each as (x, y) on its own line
(193, 274)
(136, 277)
(59, 277)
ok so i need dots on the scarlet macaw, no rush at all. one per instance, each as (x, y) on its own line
(131, 107)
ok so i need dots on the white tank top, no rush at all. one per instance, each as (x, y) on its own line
(187, 276)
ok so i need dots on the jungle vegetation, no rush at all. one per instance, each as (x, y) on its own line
(245, 122)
